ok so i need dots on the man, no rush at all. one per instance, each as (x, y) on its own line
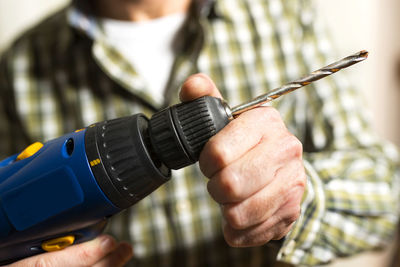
(105, 59)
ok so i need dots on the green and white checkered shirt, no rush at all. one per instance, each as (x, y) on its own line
(63, 75)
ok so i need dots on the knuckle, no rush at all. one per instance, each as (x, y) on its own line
(289, 148)
(215, 153)
(232, 241)
(294, 147)
(300, 180)
(261, 238)
(230, 185)
(236, 238)
(297, 147)
(265, 116)
(233, 217)
(281, 234)
(43, 262)
(231, 238)
(293, 215)
(85, 254)
(272, 115)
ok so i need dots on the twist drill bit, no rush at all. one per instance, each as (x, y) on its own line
(294, 85)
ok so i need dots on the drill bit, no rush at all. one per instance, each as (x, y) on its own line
(294, 85)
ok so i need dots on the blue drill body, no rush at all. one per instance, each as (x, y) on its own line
(66, 189)
(49, 193)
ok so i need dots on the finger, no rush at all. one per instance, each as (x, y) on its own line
(238, 137)
(266, 202)
(256, 236)
(275, 228)
(84, 254)
(254, 170)
(198, 85)
(118, 257)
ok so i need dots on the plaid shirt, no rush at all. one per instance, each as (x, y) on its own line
(63, 75)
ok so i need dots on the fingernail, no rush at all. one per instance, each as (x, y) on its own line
(107, 243)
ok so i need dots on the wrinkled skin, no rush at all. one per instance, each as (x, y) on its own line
(255, 169)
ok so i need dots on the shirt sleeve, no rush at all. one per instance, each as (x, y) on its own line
(351, 201)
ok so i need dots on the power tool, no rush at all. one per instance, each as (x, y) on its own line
(62, 192)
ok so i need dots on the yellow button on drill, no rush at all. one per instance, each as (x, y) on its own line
(30, 151)
(58, 243)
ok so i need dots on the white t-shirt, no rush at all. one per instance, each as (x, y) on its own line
(148, 46)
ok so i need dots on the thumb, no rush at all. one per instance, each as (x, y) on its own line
(84, 254)
(198, 85)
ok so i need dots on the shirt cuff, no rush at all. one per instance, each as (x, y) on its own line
(297, 246)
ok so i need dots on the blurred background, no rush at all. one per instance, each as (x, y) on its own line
(353, 25)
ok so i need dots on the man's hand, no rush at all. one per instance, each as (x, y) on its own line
(255, 169)
(103, 251)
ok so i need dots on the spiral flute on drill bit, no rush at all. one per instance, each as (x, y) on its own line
(294, 85)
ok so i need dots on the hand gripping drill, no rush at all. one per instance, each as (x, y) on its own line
(61, 192)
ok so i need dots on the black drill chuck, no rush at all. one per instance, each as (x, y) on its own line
(137, 154)
(179, 133)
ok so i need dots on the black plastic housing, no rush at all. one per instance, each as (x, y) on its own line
(129, 171)
(179, 133)
(137, 155)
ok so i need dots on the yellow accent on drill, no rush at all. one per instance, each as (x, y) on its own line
(94, 162)
(58, 243)
(79, 130)
(30, 151)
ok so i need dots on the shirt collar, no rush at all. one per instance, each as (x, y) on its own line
(112, 62)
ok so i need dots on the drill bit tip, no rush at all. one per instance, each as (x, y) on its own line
(360, 56)
(363, 54)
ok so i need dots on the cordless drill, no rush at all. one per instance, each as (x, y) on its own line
(60, 193)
